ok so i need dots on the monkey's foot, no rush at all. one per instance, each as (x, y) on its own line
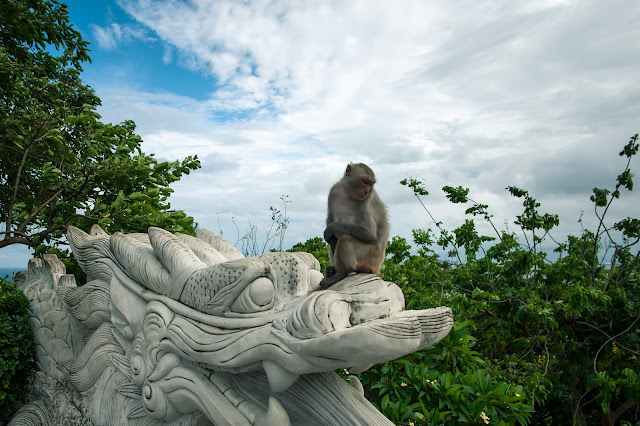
(330, 280)
(325, 284)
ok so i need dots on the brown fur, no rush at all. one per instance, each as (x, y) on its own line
(357, 226)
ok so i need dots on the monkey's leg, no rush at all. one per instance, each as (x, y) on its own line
(368, 258)
(333, 276)
(343, 262)
(375, 259)
(331, 270)
(352, 255)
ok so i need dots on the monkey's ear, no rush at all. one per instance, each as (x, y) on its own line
(348, 171)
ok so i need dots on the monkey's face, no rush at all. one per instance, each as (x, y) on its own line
(364, 187)
(359, 180)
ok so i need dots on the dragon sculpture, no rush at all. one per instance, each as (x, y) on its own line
(181, 330)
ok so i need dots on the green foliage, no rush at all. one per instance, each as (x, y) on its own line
(16, 347)
(445, 384)
(536, 341)
(564, 333)
(60, 165)
(317, 247)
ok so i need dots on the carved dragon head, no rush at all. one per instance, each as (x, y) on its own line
(195, 314)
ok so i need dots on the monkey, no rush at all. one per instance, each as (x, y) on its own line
(357, 226)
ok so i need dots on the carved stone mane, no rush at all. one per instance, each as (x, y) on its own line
(182, 330)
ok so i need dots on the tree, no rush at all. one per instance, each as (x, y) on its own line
(317, 247)
(60, 165)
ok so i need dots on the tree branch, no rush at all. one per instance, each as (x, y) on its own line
(16, 185)
(33, 214)
(613, 418)
(631, 269)
(7, 241)
(601, 224)
(595, 359)
(78, 191)
(608, 336)
(613, 264)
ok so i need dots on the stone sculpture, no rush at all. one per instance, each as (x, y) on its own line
(183, 330)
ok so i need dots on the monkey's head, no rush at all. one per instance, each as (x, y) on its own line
(361, 180)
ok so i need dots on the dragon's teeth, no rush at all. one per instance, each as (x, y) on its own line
(360, 368)
(275, 416)
(279, 378)
(356, 384)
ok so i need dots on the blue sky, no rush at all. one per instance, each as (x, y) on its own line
(277, 96)
(127, 55)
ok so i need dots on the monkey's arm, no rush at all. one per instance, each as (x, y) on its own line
(382, 233)
(336, 229)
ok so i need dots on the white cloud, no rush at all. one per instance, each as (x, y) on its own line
(540, 95)
(112, 36)
(108, 37)
(167, 57)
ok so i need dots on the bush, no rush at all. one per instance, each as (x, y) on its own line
(16, 347)
(445, 384)
(537, 340)
(565, 331)
(317, 247)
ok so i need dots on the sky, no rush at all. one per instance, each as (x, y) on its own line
(277, 97)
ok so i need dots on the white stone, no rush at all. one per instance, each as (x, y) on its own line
(184, 330)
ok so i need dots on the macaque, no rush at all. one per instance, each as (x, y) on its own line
(357, 226)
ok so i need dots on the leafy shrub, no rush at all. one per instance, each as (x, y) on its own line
(567, 330)
(445, 384)
(16, 347)
(536, 340)
(317, 247)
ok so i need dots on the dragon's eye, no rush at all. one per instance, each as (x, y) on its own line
(241, 286)
(257, 296)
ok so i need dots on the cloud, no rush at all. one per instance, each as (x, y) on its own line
(167, 57)
(539, 95)
(107, 38)
(112, 36)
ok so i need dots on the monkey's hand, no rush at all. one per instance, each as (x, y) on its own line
(330, 235)
(337, 229)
